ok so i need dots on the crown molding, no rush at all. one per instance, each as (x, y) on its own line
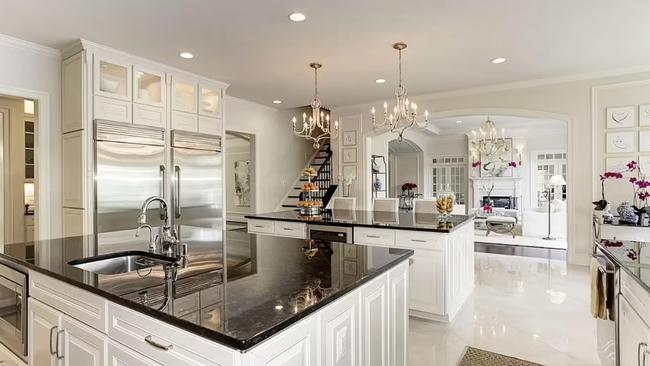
(29, 46)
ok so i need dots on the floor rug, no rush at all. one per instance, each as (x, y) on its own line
(478, 357)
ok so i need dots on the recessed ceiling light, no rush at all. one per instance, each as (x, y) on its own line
(279, 307)
(186, 55)
(277, 101)
(498, 60)
(380, 81)
(459, 121)
(297, 17)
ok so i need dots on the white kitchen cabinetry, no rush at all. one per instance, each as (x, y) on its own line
(82, 344)
(373, 236)
(102, 83)
(428, 277)
(285, 229)
(634, 336)
(297, 347)
(43, 325)
(339, 333)
(374, 323)
(120, 355)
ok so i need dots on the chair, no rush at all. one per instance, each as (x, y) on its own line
(344, 203)
(386, 204)
(424, 205)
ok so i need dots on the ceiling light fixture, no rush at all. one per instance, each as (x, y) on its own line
(459, 121)
(488, 141)
(318, 118)
(498, 60)
(297, 17)
(186, 55)
(404, 113)
(380, 81)
(277, 101)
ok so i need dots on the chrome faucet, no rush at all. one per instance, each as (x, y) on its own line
(170, 245)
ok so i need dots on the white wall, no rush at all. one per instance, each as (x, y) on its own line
(559, 99)
(279, 154)
(27, 68)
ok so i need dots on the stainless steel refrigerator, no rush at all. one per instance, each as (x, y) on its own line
(197, 180)
(131, 164)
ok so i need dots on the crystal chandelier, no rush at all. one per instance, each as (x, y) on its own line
(487, 141)
(318, 118)
(404, 114)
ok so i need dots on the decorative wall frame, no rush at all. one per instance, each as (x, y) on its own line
(644, 115)
(621, 142)
(349, 171)
(350, 155)
(621, 117)
(644, 141)
(644, 164)
(349, 138)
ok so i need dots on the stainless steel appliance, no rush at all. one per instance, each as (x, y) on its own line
(197, 181)
(339, 234)
(13, 310)
(606, 329)
(129, 168)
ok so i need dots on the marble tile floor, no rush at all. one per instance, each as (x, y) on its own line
(531, 308)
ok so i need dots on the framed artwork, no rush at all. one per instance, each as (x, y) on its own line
(644, 115)
(644, 140)
(349, 138)
(621, 117)
(350, 171)
(644, 164)
(620, 164)
(621, 142)
(242, 183)
(350, 155)
(496, 165)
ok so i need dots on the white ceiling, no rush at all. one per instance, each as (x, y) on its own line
(253, 46)
(514, 126)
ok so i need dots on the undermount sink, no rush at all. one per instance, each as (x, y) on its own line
(121, 262)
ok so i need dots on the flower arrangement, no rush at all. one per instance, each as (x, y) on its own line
(409, 186)
(487, 207)
(640, 186)
(512, 164)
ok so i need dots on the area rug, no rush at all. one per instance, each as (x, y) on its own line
(478, 357)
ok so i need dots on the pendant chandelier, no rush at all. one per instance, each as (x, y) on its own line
(318, 118)
(404, 114)
(487, 141)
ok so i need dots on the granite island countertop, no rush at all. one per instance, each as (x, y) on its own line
(402, 220)
(248, 287)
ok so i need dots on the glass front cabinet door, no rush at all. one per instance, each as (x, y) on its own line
(210, 102)
(148, 86)
(112, 78)
(184, 95)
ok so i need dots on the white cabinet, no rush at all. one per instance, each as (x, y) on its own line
(184, 121)
(44, 325)
(374, 323)
(148, 116)
(209, 125)
(73, 83)
(73, 168)
(398, 287)
(120, 355)
(149, 86)
(184, 94)
(298, 346)
(112, 109)
(284, 229)
(634, 336)
(340, 343)
(58, 340)
(374, 236)
(210, 101)
(112, 77)
(428, 282)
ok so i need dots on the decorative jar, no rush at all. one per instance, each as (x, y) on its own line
(445, 202)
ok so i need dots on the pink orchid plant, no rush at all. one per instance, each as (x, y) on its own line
(640, 185)
(512, 164)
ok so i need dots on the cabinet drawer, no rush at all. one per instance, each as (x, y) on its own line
(184, 121)
(112, 109)
(70, 300)
(122, 355)
(260, 226)
(635, 295)
(148, 115)
(372, 236)
(210, 125)
(142, 333)
(290, 229)
(419, 240)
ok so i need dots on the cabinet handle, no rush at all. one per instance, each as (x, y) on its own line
(287, 228)
(52, 330)
(59, 356)
(373, 236)
(158, 345)
(177, 170)
(260, 226)
(418, 240)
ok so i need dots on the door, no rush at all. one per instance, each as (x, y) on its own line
(634, 336)
(198, 188)
(83, 345)
(44, 330)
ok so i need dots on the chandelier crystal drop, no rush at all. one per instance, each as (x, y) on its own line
(488, 141)
(318, 119)
(403, 114)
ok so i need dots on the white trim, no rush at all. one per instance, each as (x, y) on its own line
(30, 46)
(4, 129)
(43, 194)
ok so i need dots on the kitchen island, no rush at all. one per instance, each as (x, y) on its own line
(248, 300)
(442, 272)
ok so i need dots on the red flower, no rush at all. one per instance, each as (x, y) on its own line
(631, 166)
(612, 243)
(409, 186)
(512, 164)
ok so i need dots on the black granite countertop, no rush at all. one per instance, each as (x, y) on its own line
(632, 256)
(248, 292)
(403, 220)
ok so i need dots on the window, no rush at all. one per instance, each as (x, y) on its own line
(546, 165)
(450, 171)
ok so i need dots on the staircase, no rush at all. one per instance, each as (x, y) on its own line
(322, 162)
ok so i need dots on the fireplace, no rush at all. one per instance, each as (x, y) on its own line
(506, 202)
